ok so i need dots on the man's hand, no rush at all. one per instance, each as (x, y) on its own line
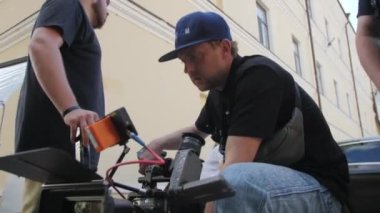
(80, 118)
(170, 141)
(144, 154)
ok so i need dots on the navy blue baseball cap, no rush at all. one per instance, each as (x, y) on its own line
(195, 28)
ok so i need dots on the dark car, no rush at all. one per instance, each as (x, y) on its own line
(363, 156)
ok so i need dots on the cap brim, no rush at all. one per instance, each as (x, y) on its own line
(174, 54)
(169, 56)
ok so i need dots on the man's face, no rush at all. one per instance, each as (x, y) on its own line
(206, 65)
(100, 12)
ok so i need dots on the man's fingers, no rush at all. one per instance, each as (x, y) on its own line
(73, 131)
(90, 119)
(83, 125)
(80, 118)
(95, 117)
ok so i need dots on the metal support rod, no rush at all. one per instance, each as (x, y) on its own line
(353, 79)
(313, 54)
(121, 157)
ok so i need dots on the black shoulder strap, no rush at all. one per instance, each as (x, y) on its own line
(259, 60)
(298, 96)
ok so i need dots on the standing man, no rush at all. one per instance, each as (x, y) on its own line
(245, 110)
(368, 38)
(62, 89)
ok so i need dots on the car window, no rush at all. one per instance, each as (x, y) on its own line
(362, 152)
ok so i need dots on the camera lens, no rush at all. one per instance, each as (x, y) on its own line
(193, 142)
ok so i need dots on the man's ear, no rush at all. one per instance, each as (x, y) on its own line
(226, 46)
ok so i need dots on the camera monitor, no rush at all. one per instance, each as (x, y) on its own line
(114, 128)
(47, 165)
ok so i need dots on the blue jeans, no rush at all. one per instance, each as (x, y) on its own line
(263, 188)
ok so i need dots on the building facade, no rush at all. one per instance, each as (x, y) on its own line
(312, 39)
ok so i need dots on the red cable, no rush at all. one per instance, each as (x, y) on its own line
(159, 161)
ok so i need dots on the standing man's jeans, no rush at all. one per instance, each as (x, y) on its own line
(263, 188)
(31, 196)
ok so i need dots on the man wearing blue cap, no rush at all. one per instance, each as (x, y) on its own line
(279, 154)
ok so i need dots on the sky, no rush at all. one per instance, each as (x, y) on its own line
(351, 6)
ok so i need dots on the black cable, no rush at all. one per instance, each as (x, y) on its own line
(129, 188)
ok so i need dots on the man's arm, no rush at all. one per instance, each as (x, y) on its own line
(240, 149)
(49, 69)
(368, 46)
(170, 141)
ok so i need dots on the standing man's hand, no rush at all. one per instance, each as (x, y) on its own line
(80, 118)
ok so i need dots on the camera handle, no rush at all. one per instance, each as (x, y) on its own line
(121, 157)
(113, 171)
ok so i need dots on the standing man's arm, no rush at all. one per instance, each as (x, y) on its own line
(49, 69)
(368, 46)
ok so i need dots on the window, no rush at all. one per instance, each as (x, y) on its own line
(327, 31)
(310, 8)
(320, 79)
(297, 56)
(2, 112)
(348, 104)
(11, 77)
(336, 93)
(340, 47)
(263, 26)
(360, 151)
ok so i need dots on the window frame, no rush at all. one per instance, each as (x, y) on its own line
(263, 25)
(336, 89)
(320, 78)
(5, 65)
(297, 56)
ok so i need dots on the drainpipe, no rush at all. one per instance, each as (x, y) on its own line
(313, 54)
(377, 120)
(353, 77)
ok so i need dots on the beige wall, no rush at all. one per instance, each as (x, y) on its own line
(160, 98)
(16, 51)
(14, 11)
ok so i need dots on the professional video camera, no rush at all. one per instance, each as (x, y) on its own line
(184, 192)
(71, 187)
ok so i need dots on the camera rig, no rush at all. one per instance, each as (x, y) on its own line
(71, 187)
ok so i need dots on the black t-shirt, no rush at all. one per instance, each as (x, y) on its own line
(365, 8)
(38, 123)
(262, 103)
